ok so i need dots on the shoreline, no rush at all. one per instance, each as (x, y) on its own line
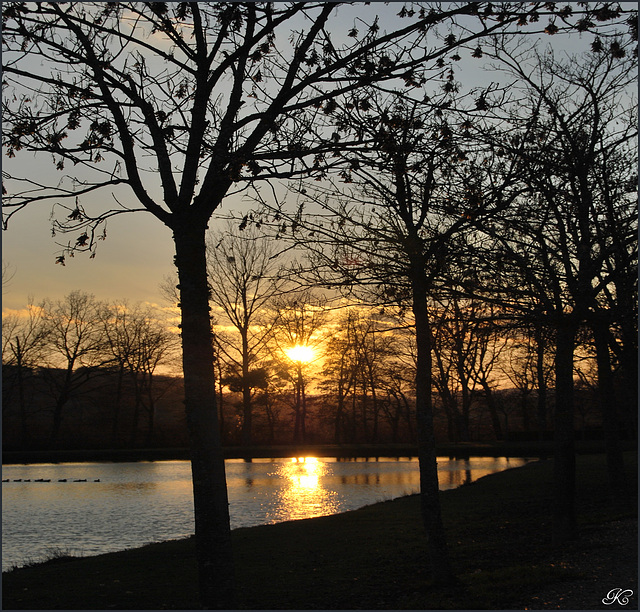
(245, 511)
(340, 451)
(373, 558)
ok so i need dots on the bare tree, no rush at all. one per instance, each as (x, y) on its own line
(339, 370)
(399, 387)
(121, 347)
(24, 339)
(202, 98)
(243, 277)
(572, 128)
(389, 232)
(356, 365)
(138, 342)
(296, 331)
(529, 366)
(74, 351)
(455, 348)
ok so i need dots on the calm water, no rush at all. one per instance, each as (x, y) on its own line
(137, 503)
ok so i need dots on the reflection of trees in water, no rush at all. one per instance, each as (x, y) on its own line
(382, 478)
(465, 471)
(307, 486)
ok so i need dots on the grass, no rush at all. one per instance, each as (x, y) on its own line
(372, 558)
(53, 554)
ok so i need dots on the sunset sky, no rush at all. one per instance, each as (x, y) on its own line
(130, 264)
(138, 251)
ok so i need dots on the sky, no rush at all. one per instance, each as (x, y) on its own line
(130, 264)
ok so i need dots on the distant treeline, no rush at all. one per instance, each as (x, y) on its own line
(108, 413)
(84, 374)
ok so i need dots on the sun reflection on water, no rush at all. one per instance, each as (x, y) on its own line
(303, 494)
(304, 473)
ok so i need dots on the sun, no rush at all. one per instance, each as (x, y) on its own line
(300, 353)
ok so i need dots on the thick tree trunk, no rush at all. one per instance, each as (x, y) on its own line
(609, 409)
(429, 489)
(542, 389)
(564, 511)
(211, 507)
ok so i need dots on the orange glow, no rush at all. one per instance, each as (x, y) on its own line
(305, 473)
(300, 353)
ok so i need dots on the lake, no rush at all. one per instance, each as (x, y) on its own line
(104, 507)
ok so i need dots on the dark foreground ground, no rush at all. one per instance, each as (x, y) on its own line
(374, 558)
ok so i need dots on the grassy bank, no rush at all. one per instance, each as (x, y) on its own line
(372, 558)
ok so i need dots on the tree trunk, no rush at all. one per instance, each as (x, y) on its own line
(449, 403)
(363, 411)
(609, 409)
(542, 390)
(151, 415)
(246, 392)
(211, 507)
(376, 411)
(354, 415)
(61, 402)
(303, 419)
(493, 410)
(297, 427)
(21, 399)
(220, 399)
(271, 419)
(338, 418)
(564, 511)
(465, 429)
(429, 490)
(117, 405)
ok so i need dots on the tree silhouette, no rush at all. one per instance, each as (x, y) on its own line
(137, 342)
(175, 106)
(562, 246)
(243, 278)
(296, 320)
(74, 349)
(390, 229)
(24, 341)
(358, 363)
